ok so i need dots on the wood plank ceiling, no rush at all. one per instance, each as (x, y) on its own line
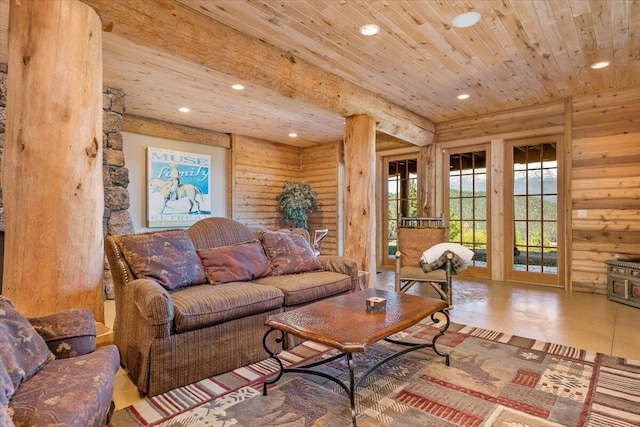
(521, 53)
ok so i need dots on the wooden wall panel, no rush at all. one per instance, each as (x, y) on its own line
(604, 166)
(509, 124)
(605, 203)
(259, 170)
(320, 169)
(607, 113)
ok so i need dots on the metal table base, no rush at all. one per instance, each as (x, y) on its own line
(353, 382)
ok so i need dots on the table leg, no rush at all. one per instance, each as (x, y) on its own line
(353, 382)
(352, 388)
(272, 355)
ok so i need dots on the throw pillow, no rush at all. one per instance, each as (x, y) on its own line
(169, 257)
(22, 350)
(289, 253)
(236, 263)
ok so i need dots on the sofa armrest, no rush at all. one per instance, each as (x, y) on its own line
(68, 333)
(154, 304)
(341, 265)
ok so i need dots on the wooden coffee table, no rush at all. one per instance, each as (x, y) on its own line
(345, 323)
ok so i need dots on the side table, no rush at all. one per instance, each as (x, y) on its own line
(104, 335)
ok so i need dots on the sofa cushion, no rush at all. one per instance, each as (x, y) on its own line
(197, 307)
(308, 287)
(69, 392)
(22, 351)
(289, 253)
(235, 263)
(168, 256)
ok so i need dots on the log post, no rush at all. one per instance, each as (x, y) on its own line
(359, 193)
(52, 165)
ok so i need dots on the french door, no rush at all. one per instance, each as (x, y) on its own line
(467, 204)
(401, 199)
(534, 207)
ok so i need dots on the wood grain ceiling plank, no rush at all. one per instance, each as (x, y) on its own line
(229, 51)
(518, 36)
(603, 30)
(160, 83)
(634, 44)
(587, 15)
(620, 35)
(465, 53)
(542, 29)
(529, 87)
(584, 21)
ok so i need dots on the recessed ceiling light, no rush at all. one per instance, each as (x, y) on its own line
(184, 109)
(465, 20)
(600, 64)
(464, 96)
(293, 135)
(237, 87)
(369, 30)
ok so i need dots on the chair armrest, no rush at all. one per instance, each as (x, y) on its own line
(342, 265)
(68, 333)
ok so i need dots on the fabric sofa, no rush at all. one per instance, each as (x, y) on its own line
(51, 374)
(192, 303)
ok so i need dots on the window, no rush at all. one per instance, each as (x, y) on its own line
(468, 201)
(401, 198)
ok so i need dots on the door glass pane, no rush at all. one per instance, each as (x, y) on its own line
(468, 203)
(402, 197)
(535, 209)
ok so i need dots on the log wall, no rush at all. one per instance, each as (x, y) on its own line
(320, 168)
(605, 184)
(603, 171)
(259, 170)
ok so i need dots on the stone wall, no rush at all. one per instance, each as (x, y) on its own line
(116, 218)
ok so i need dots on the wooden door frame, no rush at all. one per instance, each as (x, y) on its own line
(384, 161)
(531, 277)
(483, 272)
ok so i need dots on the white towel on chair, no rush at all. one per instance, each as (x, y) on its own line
(433, 253)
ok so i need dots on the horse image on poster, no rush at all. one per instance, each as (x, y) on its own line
(178, 188)
(191, 192)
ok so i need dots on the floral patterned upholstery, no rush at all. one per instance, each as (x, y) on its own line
(72, 389)
(22, 350)
(168, 257)
(289, 253)
(68, 392)
(68, 334)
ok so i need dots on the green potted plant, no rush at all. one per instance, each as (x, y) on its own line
(296, 201)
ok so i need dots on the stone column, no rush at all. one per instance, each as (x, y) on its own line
(52, 164)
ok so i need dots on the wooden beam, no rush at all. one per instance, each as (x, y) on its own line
(152, 127)
(172, 27)
(52, 165)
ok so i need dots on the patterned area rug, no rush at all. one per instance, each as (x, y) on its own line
(494, 379)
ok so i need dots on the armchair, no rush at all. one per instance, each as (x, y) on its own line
(415, 235)
(51, 372)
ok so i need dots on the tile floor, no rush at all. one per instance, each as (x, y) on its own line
(581, 320)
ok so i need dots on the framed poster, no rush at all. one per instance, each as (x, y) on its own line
(178, 190)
